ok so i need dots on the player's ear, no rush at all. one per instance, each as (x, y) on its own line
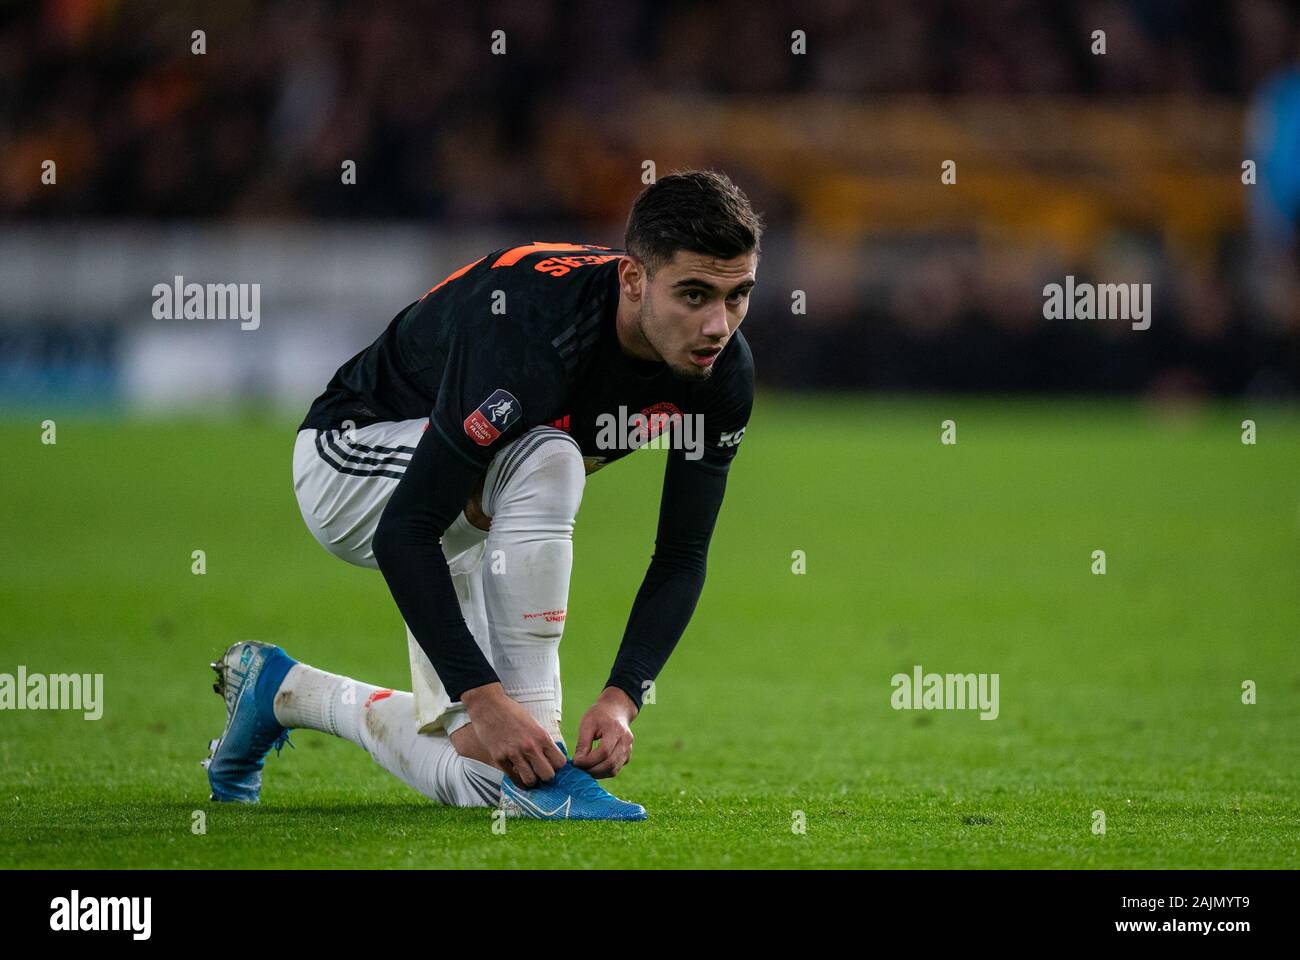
(631, 278)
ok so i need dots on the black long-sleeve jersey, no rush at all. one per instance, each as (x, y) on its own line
(522, 337)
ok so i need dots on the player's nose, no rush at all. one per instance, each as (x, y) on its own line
(715, 325)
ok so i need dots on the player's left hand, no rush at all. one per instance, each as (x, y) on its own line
(608, 721)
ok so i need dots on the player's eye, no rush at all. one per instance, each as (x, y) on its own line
(737, 297)
(694, 297)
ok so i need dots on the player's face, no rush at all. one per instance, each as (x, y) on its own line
(692, 306)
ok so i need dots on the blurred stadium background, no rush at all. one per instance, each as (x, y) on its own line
(226, 167)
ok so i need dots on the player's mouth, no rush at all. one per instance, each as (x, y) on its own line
(705, 356)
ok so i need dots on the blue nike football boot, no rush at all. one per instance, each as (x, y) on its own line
(573, 794)
(248, 676)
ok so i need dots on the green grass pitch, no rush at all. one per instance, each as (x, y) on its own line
(1120, 693)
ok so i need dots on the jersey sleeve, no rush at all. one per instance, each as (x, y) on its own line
(666, 600)
(407, 545)
(692, 497)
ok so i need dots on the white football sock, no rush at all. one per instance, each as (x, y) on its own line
(382, 722)
(533, 499)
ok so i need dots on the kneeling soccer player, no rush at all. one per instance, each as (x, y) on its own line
(452, 454)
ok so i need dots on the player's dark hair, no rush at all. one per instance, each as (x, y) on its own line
(700, 211)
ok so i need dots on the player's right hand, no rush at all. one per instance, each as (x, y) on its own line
(518, 744)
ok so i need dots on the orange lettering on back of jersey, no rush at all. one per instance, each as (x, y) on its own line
(555, 266)
(514, 255)
(559, 266)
